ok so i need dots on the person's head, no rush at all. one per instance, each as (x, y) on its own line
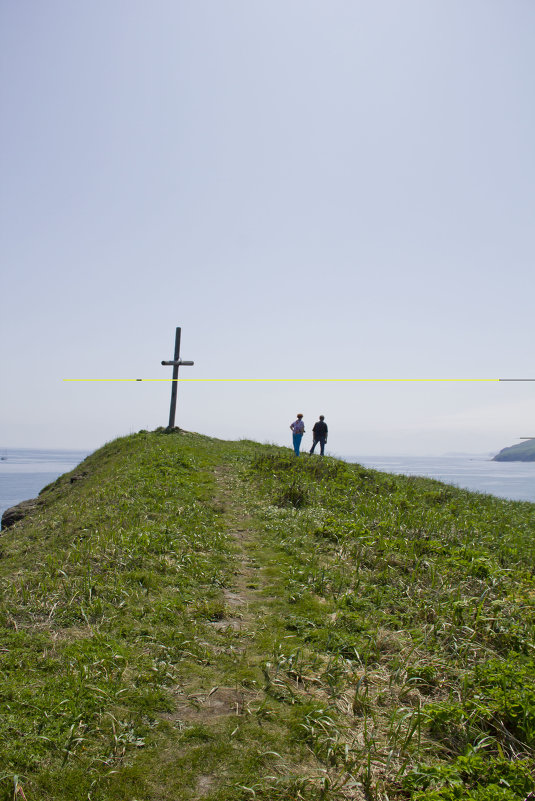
(322, 417)
(299, 416)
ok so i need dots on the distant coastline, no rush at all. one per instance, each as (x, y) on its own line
(523, 452)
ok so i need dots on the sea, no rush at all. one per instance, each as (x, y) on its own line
(25, 471)
(514, 481)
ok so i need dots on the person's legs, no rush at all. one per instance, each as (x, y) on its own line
(313, 446)
(322, 446)
(297, 443)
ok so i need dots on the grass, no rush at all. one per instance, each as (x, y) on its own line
(196, 618)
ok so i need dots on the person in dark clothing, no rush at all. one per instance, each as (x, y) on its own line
(319, 434)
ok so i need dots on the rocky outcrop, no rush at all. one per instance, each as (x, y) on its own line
(78, 477)
(16, 513)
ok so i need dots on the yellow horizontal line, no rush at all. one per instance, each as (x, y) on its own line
(293, 380)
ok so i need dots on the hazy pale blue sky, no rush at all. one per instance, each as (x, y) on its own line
(310, 189)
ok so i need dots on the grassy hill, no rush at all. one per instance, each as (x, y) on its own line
(523, 452)
(199, 619)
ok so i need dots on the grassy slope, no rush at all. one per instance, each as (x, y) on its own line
(204, 619)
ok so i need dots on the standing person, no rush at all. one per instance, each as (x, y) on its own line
(298, 428)
(319, 434)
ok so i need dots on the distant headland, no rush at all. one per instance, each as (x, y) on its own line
(523, 452)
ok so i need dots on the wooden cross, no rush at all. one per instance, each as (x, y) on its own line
(177, 361)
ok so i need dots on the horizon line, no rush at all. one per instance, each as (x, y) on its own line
(300, 380)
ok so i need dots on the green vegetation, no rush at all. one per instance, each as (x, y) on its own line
(199, 619)
(523, 452)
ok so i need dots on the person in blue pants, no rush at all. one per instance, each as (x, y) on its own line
(298, 429)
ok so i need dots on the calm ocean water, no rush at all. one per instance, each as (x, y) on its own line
(24, 472)
(512, 480)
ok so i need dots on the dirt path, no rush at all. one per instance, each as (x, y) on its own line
(248, 573)
(231, 633)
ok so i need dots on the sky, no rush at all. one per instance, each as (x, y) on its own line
(310, 190)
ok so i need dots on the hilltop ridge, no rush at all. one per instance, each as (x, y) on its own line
(200, 619)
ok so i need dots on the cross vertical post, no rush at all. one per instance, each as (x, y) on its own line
(174, 380)
(176, 362)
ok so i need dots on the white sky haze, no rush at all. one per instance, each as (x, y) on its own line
(309, 189)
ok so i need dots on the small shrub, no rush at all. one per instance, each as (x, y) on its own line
(293, 494)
